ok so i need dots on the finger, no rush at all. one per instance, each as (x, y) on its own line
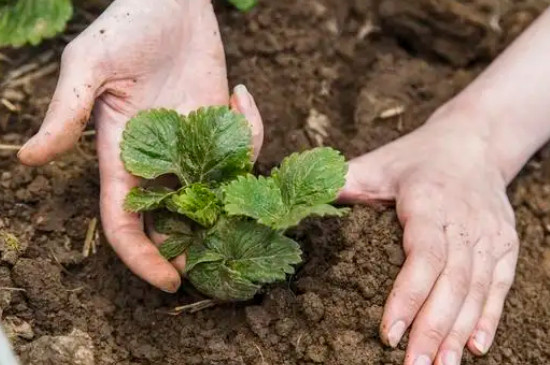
(242, 102)
(424, 244)
(439, 313)
(368, 180)
(450, 351)
(159, 238)
(155, 236)
(125, 230)
(69, 109)
(484, 334)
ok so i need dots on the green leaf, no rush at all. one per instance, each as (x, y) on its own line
(312, 177)
(216, 145)
(141, 199)
(255, 252)
(198, 254)
(220, 282)
(150, 141)
(209, 146)
(244, 5)
(256, 197)
(300, 212)
(31, 21)
(175, 245)
(198, 203)
(301, 187)
(169, 223)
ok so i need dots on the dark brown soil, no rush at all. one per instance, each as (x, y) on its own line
(314, 67)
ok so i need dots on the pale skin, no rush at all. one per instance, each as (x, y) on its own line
(448, 178)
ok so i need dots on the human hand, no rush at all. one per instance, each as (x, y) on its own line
(459, 237)
(138, 54)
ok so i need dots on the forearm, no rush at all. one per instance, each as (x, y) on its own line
(509, 103)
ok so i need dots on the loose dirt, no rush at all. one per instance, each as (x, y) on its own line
(349, 74)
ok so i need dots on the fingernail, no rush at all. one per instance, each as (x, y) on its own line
(26, 145)
(450, 358)
(396, 332)
(171, 287)
(480, 341)
(243, 97)
(171, 290)
(423, 360)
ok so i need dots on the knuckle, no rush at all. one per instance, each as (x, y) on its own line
(461, 287)
(71, 51)
(514, 243)
(460, 281)
(413, 300)
(509, 236)
(420, 198)
(435, 258)
(503, 285)
(434, 333)
(457, 338)
(79, 56)
(479, 288)
(511, 233)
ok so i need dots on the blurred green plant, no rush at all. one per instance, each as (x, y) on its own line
(244, 5)
(30, 21)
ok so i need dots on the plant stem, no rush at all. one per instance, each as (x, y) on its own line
(194, 307)
(10, 147)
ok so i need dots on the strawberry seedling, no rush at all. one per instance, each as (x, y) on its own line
(228, 222)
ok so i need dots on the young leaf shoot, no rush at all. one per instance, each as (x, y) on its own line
(229, 223)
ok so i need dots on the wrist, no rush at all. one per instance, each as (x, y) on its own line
(474, 123)
(507, 104)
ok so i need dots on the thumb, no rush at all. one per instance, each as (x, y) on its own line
(242, 102)
(68, 112)
(369, 180)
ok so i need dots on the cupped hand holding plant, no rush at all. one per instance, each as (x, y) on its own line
(138, 54)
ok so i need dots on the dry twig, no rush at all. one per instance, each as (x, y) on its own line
(88, 133)
(9, 105)
(193, 307)
(4, 58)
(90, 235)
(11, 289)
(261, 354)
(9, 147)
(28, 67)
(28, 78)
(366, 29)
(392, 112)
(60, 264)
